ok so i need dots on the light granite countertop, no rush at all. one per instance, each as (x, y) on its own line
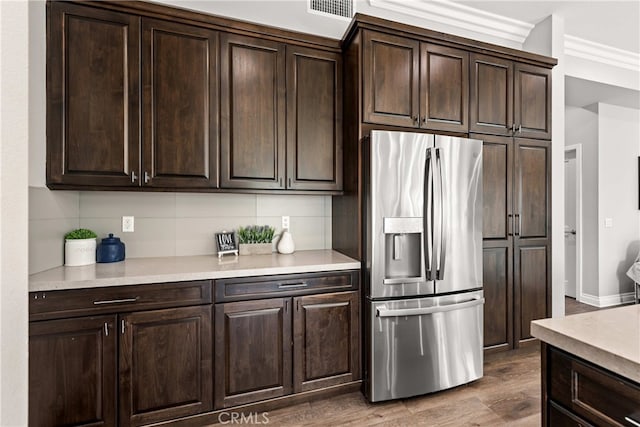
(136, 271)
(609, 338)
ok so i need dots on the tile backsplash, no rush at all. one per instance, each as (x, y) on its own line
(168, 224)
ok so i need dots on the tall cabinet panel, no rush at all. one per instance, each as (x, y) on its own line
(180, 93)
(314, 119)
(93, 60)
(252, 113)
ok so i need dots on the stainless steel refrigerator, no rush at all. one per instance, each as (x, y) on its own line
(423, 263)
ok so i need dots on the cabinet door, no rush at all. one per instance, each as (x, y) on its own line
(532, 101)
(314, 119)
(391, 75)
(497, 277)
(252, 351)
(165, 364)
(326, 340)
(92, 96)
(252, 93)
(491, 98)
(180, 120)
(444, 88)
(72, 372)
(532, 207)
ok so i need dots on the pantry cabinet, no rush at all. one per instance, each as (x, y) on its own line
(509, 98)
(516, 237)
(414, 84)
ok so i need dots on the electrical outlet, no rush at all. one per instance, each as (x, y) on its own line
(127, 224)
(285, 223)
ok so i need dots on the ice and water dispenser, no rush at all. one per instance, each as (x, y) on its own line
(403, 250)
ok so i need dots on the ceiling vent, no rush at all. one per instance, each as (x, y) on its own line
(342, 9)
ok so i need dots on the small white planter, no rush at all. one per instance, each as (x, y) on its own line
(79, 252)
(255, 248)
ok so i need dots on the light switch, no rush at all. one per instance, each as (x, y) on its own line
(608, 222)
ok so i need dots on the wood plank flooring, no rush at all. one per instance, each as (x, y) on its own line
(507, 395)
(571, 306)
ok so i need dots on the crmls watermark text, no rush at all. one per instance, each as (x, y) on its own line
(243, 418)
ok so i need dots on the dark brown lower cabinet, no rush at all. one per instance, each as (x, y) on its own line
(151, 365)
(253, 351)
(325, 340)
(72, 372)
(165, 364)
(257, 357)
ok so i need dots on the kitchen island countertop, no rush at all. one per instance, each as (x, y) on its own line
(608, 338)
(136, 271)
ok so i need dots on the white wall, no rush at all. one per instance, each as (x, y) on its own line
(14, 142)
(618, 150)
(581, 128)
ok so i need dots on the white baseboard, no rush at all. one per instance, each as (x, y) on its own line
(607, 300)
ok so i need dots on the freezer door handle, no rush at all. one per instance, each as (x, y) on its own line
(385, 312)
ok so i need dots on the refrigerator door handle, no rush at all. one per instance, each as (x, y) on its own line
(427, 216)
(385, 312)
(443, 219)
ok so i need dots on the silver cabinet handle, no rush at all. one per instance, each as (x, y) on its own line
(122, 326)
(632, 421)
(292, 285)
(518, 224)
(134, 177)
(147, 178)
(115, 301)
(106, 329)
(385, 312)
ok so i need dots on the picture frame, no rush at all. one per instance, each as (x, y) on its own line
(226, 243)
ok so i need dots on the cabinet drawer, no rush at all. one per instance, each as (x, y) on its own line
(598, 396)
(82, 302)
(291, 284)
(560, 417)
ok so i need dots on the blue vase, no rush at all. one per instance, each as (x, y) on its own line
(110, 249)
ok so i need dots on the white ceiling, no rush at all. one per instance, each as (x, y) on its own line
(612, 23)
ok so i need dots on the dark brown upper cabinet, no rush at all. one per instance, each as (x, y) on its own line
(414, 84)
(180, 105)
(509, 98)
(97, 99)
(93, 113)
(253, 111)
(314, 119)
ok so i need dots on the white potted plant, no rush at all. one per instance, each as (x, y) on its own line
(79, 247)
(255, 239)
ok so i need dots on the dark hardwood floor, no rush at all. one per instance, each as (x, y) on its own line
(507, 395)
(571, 306)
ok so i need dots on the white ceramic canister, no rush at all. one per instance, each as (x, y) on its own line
(79, 252)
(285, 244)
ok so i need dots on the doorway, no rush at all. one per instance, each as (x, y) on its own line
(573, 222)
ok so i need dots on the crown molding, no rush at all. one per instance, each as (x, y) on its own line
(460, 16)
(585, 49)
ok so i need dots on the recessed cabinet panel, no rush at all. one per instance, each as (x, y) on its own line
(314, 120)
(391, 73)
(165, 364)
(532, 187)
(497, 221)
(253, 112)
(180, 130)
(533, 101)
(444, 88)
(491, 95)
(248, 335)
(72, 372)
(326, 340)
(498, 294)
(92, 96)
(531, 287)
